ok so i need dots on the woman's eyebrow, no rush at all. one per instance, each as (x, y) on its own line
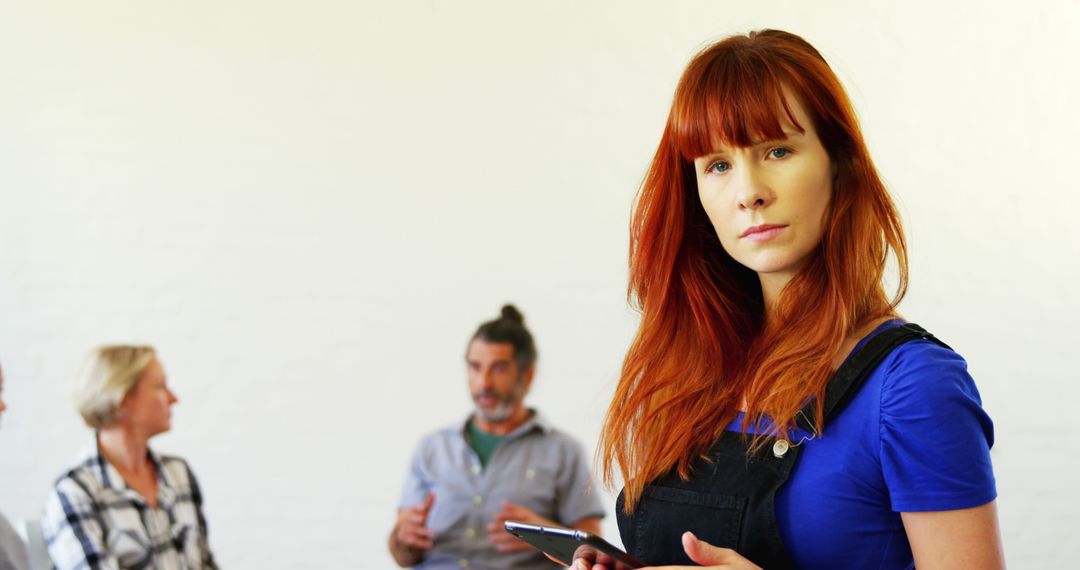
(788, 135)
(713, 154)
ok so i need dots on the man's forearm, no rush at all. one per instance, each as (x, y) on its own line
(590, 525)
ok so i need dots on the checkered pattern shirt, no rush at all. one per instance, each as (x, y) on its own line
(93, 520)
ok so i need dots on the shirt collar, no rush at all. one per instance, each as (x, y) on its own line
(106, 473)
(535, 422)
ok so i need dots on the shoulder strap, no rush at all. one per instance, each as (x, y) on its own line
(850, 376)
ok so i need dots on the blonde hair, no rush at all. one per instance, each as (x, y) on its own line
(110, 373)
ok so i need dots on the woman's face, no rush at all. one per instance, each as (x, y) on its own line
(768, 202)
(147, 407)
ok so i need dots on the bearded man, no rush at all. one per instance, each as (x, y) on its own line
(502, 463)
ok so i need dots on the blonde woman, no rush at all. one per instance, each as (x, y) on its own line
(121, 505)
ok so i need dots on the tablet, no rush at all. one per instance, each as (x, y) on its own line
(566, 544)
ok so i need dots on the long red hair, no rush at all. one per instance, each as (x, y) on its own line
(704, 343)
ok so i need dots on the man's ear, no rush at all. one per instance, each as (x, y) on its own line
(528, 375)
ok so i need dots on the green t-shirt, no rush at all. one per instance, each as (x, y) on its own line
(482, 442)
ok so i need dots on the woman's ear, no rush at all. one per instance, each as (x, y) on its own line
(122, 412)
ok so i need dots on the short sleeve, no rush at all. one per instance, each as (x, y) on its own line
(577, 497)
(72, 528)
(935, 435)
(416, 486)
(206, 555)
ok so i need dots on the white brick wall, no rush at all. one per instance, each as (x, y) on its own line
(308, 207)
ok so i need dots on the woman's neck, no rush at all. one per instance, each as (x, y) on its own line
(772, 284)
(125, 450)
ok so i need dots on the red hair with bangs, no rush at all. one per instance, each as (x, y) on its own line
(704, 344)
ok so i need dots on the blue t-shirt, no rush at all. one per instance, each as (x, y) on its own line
(914, 438)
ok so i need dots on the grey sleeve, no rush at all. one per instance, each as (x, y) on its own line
(13, 554)
(578, 497)
(417, 485)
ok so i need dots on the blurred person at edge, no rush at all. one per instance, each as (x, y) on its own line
(759, 243)
(503, 462)
(122, 505)
(13, 555)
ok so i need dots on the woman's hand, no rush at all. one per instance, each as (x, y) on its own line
(698, 550)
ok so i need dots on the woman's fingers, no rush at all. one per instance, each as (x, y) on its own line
(708, 555)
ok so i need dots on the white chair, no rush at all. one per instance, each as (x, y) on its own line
(35, 545)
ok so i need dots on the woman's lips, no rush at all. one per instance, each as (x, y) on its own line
(764, 232)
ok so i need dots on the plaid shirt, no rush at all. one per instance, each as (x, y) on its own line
(93, 520)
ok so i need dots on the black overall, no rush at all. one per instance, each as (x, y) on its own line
(729, 499)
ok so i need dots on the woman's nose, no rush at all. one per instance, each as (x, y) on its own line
(753, 192)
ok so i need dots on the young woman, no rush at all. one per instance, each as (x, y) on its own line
(773, 410)
(122, 505)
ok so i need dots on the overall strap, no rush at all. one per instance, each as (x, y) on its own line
(850, 376)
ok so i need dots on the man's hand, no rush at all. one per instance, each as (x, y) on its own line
(411, 539)
(506, 542)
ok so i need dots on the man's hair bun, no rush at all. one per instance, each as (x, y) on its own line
(510, 312)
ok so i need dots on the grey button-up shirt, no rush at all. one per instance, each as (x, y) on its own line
(13, 554)
(535, 466)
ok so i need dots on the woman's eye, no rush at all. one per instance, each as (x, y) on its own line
(779, 152)
(718, 167)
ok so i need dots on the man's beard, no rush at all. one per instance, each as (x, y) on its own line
(505, 402)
